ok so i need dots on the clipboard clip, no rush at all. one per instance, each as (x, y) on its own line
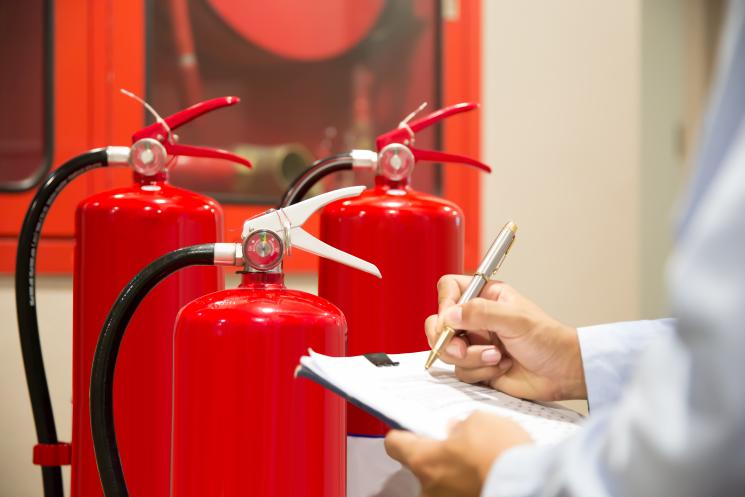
(381, 360)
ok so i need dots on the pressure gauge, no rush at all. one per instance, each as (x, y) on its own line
(148, 156)
(263, 250)
(395, 161)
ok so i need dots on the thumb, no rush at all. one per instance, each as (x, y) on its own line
(400, 445)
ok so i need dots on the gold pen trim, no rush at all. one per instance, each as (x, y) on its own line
(442, 341)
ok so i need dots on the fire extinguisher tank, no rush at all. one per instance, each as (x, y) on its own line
(242, 423)
(118, 233)
(412, 237)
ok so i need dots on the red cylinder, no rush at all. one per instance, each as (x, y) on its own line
(242, 424)
(413, 238)
(117, 234)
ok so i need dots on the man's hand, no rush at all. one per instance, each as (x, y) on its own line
(459, 465)
(510, 345)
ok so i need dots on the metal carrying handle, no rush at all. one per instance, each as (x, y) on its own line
(287, 224)
(162, 131)
(405, 134)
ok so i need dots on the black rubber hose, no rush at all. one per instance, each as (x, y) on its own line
(107, 350)
(28, 325)
(308, 178)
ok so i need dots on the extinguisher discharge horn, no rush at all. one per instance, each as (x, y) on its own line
(268, 237)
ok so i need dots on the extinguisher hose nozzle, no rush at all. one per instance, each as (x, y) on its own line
(315, 173)
(107, 350)
(25, 289)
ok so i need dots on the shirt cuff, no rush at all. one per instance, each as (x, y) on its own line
(609, 352)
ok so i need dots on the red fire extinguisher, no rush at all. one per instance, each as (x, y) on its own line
(413, 237)
(241, 424)
(116, 234)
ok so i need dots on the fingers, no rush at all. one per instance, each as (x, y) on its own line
(451, 286)
(432, 329)
(487, 374)
(403, 445)
(476, 356)
(456, 350)
(495, 290)
(399, 444)
(474, 350)
(434, 324)
(483, 314)
(449, 289)
(479, 362)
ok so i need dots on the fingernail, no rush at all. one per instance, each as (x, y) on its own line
(453, 315)
(455, 351)
(505, 364)
(491, 356)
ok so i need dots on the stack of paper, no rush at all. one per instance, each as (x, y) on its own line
(426, 402)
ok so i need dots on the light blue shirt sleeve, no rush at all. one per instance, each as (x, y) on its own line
(609, 353)
(677, 427)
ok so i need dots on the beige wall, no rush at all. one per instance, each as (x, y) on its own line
(663, 145)
(18, 477)
(561, 120)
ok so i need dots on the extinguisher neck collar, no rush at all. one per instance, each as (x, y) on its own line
(142, 179)
(382, 181)
(250, 279)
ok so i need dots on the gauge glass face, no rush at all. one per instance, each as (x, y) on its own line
(263, 250)
(396, 161)
(148, 156)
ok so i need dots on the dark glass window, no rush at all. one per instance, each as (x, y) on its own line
(25, 93)
(315, 79)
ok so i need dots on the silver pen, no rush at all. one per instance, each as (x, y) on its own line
(493, 259)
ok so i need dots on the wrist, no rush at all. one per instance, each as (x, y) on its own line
(483, 469)
(573, 384)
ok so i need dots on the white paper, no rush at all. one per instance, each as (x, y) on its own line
(427, 401)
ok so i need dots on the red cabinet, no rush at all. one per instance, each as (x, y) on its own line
(357, 80)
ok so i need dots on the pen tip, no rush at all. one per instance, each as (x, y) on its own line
(512, 226)
(430, 359)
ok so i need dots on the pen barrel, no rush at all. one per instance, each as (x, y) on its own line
(489, 265)
(473, 289)
(496, 253)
